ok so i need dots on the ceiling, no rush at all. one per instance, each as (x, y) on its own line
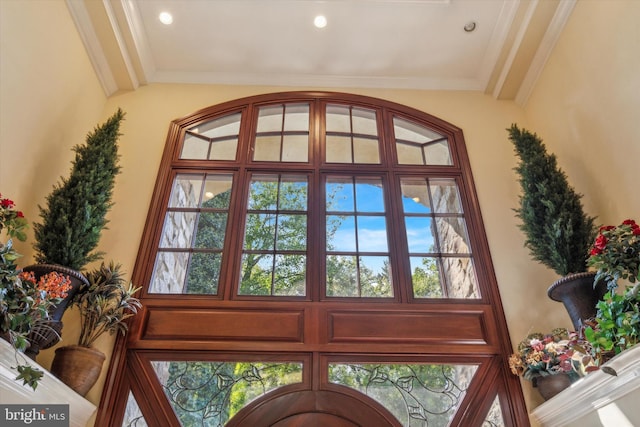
(400, 44)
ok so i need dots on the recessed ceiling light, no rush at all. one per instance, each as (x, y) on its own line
(470, 26)
(320, 21)
(166, 18)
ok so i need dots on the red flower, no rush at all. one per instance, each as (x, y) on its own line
(19, 214)
(606, 228)
(600, 243)
(595, 251)
(629, 222)
(6, 203)
(636, 231)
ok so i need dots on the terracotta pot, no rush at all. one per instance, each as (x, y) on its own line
(550, 385)
(578, 295)
(48, 334)
(78, 367)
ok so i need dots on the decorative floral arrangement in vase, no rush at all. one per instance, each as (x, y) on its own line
(25, 302)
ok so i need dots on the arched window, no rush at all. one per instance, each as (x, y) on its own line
(310, 249)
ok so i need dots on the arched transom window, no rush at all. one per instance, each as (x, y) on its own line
(315, 243)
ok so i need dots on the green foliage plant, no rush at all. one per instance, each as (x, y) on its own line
(74, 216)
(105, 303)
(616, 253)
(616, 326)
(558, 232)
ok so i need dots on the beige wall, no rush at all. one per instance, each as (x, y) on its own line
(585, 106)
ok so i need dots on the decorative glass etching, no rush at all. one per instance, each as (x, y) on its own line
(419, 145)
(418, 395)
(282, 133)
(351, 135)
(214, 140)
(132, 415)
(357, 243)
(494, 417)
(275, 239)
(211, 393)
(189, 256)
(439, 247)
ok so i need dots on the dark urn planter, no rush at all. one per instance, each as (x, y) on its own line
(550, 385)
(47, 334)
(577, 293)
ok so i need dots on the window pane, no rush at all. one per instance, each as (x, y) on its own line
(452, 235)
(132, 415)
(438, 153)
(369, 195)
(425, 277)
(295, 148)
(224, 149)
(341, 233)
(419, 235)
(267, 148)
(338, 119)
(204, 273)
(416, 144)
(460, 278)
(178, 230)
(169, 272)
(289, 233)
(364, 121)
(417, 394)
(211, 393)
(409, 154)
(446, 198)
(260, 230)
(195, 148)
(263, 192)
(211, 230)
(213, 140)
(270, 119)
(338, 149)
(290, 275)
(186, 190)
(256, 274)
(365, 151)
(293, 193)
(375, 277)
(217, 191)
(342, 276)
(415, 196)
(372, 234)
(340, 195)
(296, 117)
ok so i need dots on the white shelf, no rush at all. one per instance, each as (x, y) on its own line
(586, 401)
(50, 390)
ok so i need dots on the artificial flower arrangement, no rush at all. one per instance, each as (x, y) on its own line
(559, 352)
(616, 256)
(25, 301)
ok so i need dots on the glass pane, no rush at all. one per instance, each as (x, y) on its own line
(211, 230)
(365, 151)
(494, 417)
(295, 148)
(292, 233)
(293, 193)
(296, 117)
(369, 195)
(132, 415)
(211, 393)
(289, 275)
(364, 122)
(186, 191)
(217, 191)
(338, 149)
(341, 233)
(263, 192)
(338, 119)
(417, 394)
(415, 196)
(372, 234)
(460, 278)
(178, 229)
(221, 127)
(409, 154)
(446, 198)
(452, 235)
(342, 273)
(224, 149)
(419, 235)
(169, 272)
(270, 119)
(340, 195)
(375, 277)
(409, 131)
(256, 274)
(204, 273)
(425, 277)
(438, 154)
(267, 148)
(194, 148)
(260, 231)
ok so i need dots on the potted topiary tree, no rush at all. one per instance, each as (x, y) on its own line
(74, 216)
(557, 230)
(105, 304)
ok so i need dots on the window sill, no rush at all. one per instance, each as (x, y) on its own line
(50, 389)
(590, 397)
